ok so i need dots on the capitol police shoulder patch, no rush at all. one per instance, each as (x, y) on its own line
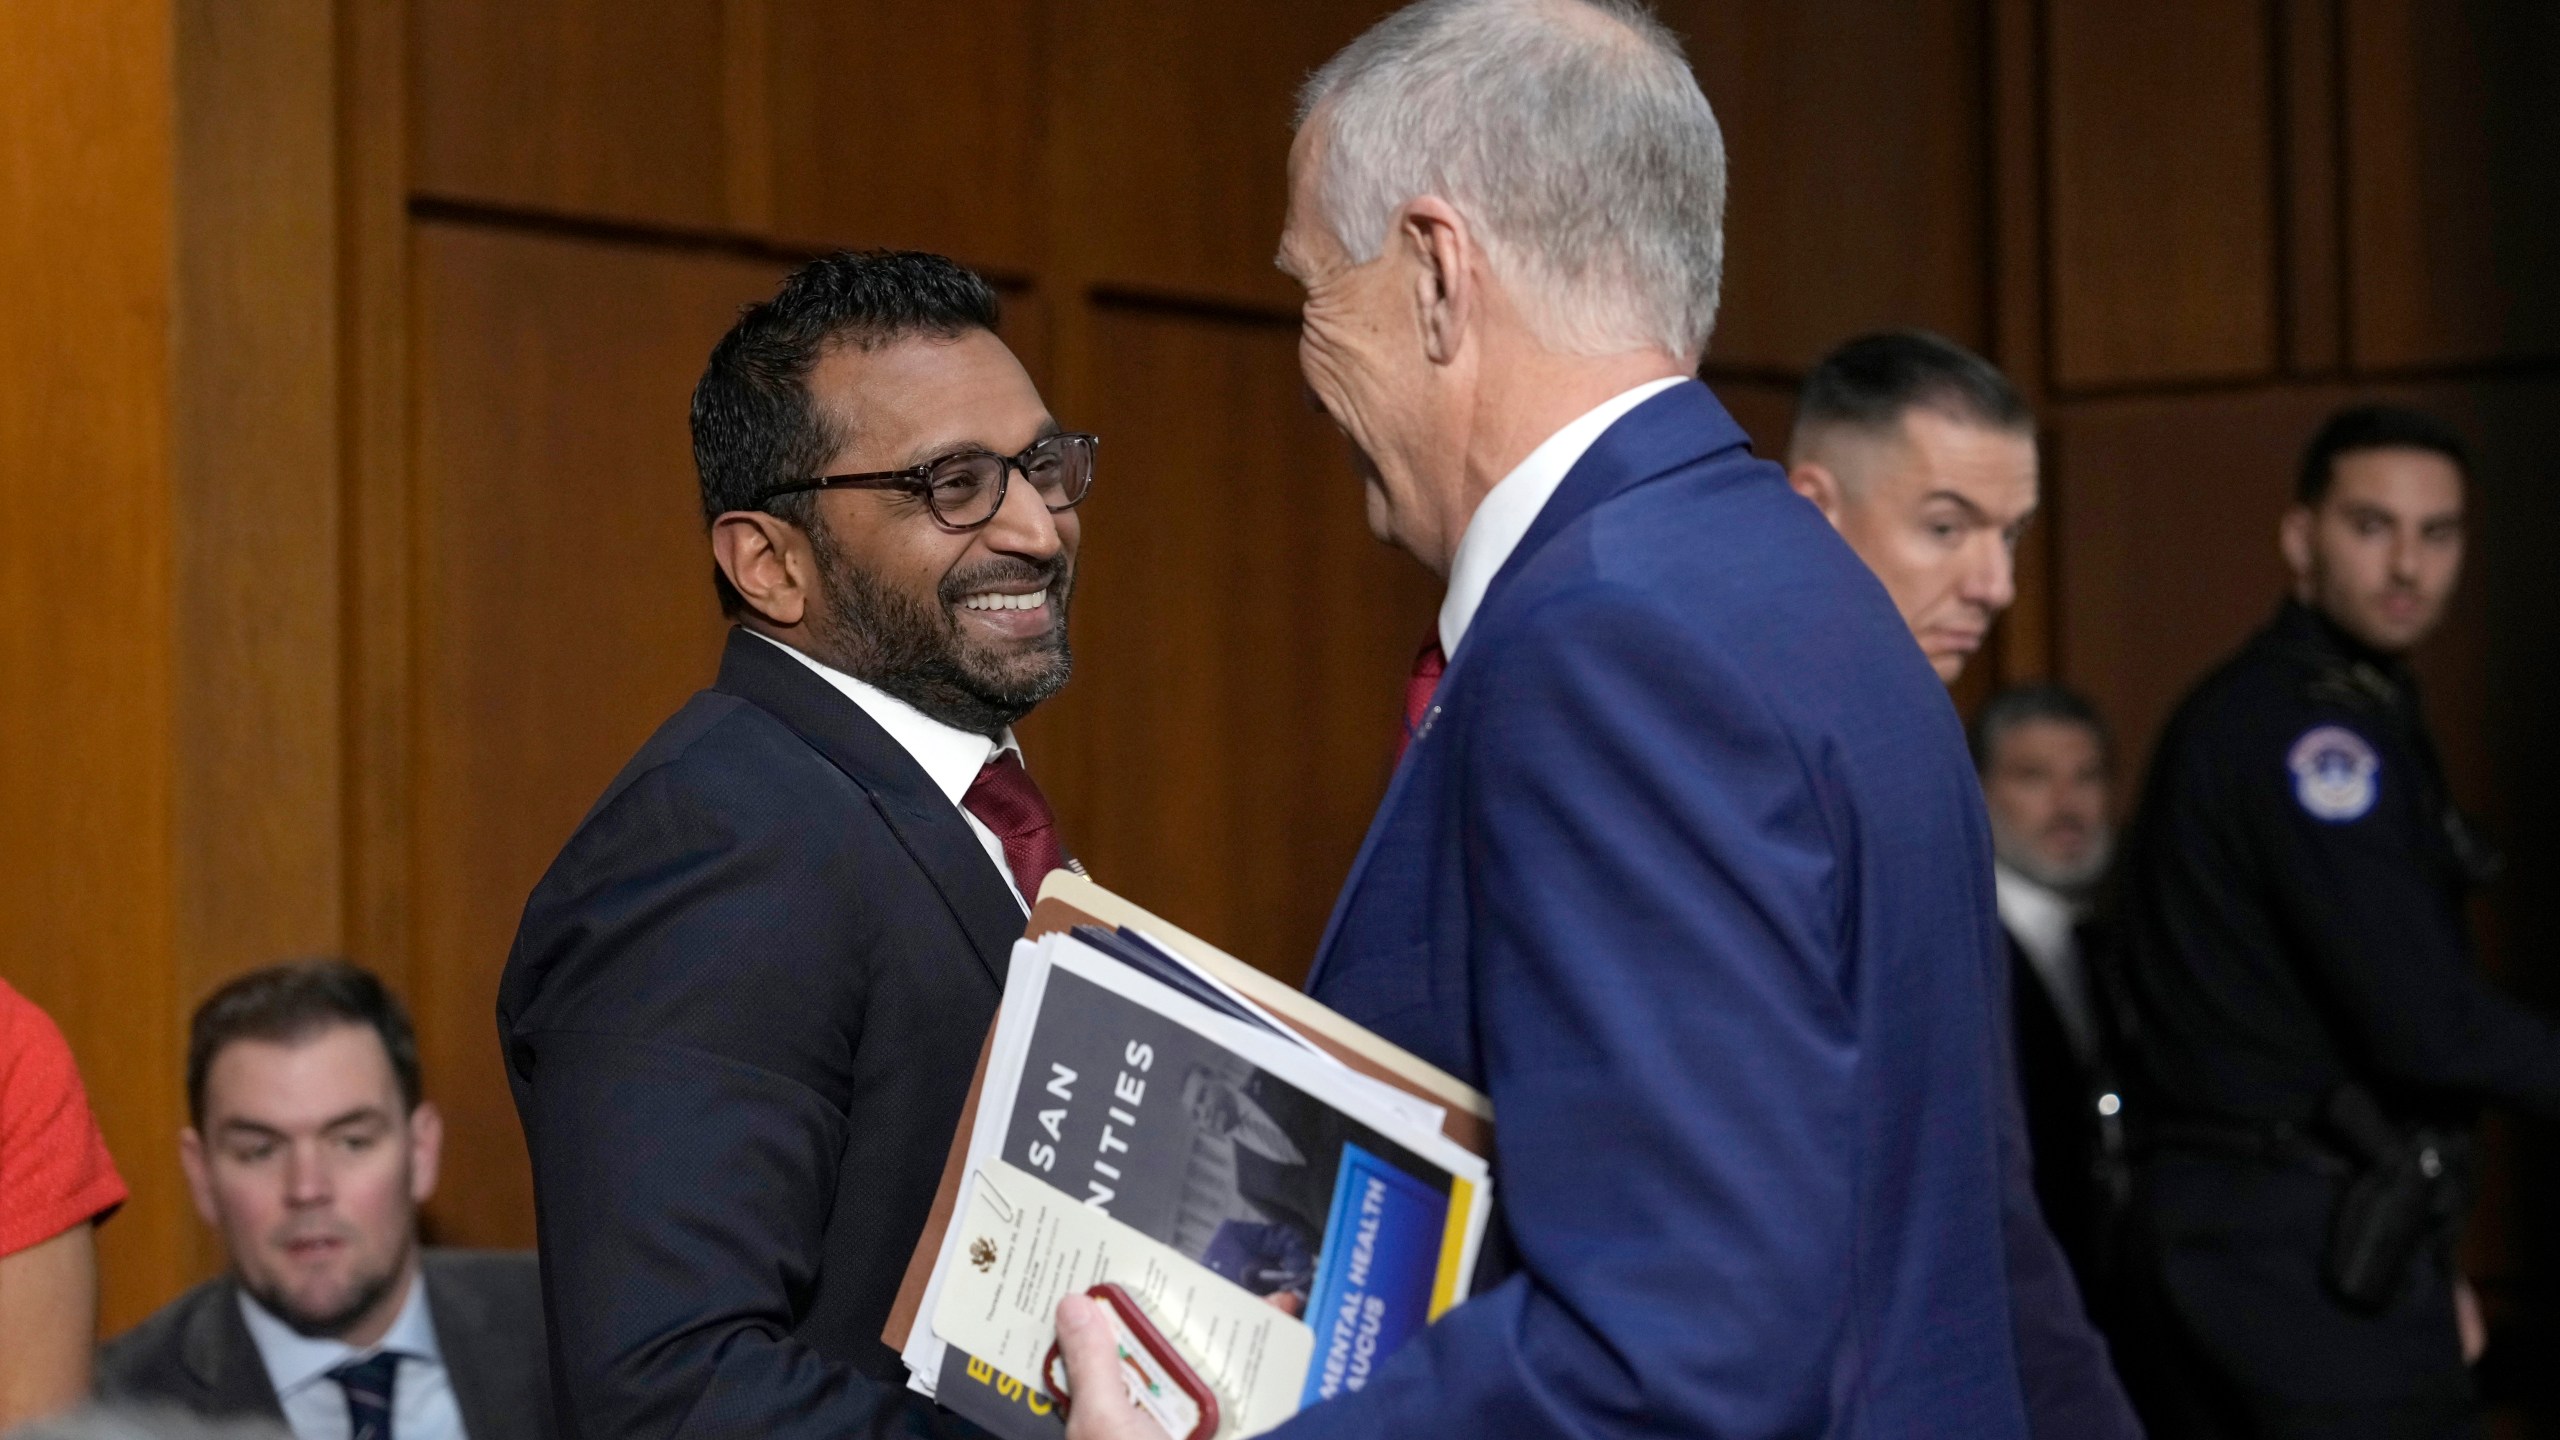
(2336, 775)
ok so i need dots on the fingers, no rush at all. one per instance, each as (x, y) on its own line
(2467, 1317)
(1092, 1352)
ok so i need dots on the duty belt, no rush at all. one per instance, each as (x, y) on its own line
(2279, 1142)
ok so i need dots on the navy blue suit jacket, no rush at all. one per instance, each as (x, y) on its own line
(1688, 870)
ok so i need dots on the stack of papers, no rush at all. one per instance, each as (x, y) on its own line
(1289, 1197)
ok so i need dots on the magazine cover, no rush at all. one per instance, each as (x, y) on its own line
(1306, 1189)
(1188, 1143)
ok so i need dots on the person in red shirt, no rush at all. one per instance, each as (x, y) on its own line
(56, 1182)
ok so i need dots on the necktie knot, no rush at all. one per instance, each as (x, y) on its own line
(368, 1385)
(1008, 802)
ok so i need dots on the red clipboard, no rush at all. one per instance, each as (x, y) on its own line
(1175, 1371)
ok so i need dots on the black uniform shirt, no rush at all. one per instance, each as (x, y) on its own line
(2294, 898)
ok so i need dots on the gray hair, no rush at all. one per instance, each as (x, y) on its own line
(1570, 131)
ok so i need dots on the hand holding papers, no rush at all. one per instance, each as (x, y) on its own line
(1285, 1219)
(1027, 1246)
(1161, 1384)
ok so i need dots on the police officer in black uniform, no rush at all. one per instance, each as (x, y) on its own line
(2313, 1035)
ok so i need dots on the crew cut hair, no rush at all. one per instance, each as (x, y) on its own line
(1871, 382)
(1572, 136)
(755, 425)
(2373, 427)
(289, 1003)
(2022, 704)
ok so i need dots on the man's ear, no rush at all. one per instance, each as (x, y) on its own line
(1816, 482)
(2293, 537)
(1445, 273)
(426, 1150)
(766, 559)
(191, 1158)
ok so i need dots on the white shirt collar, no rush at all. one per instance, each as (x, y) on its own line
(1512, 506)
(2039, 915)
(2043, 919)
(950, 757)
(296, 1361)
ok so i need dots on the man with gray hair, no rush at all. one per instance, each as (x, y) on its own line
(2043, 754)
(1683, 864)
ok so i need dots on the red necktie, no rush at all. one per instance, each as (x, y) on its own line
(1006, 801)
(1418, 690)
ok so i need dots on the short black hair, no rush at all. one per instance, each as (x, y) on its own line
(1870, 382)
(2373, 427)
(754, 425)
(286, 1003)
(2021, 704)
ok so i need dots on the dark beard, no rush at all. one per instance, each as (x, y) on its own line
(332, 1324)
(913, 651)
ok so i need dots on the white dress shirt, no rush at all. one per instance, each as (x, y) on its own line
(315, 1406)
(1512, 506)
(950, 757)
(2045, 922)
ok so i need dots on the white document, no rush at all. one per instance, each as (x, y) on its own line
(1390, 1112)
(1023, 1245)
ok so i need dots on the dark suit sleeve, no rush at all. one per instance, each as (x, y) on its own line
(679, 1050)
(2387, 946)
(2064, 1371)
(1653, 913)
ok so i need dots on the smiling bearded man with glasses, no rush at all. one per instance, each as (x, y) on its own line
(745, 1003)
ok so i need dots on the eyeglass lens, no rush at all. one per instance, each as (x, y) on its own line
(965, 489)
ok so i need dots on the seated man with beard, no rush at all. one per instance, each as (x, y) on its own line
(2042, 753)
(310, 1150)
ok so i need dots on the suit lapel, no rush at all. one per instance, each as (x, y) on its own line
(919, 814)
(486, 1378)
(217, 1351)
(1684, 425)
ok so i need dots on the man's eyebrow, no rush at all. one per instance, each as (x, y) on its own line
(933, 451)
(370, 1113)
(1973, 512)
(250, 1129)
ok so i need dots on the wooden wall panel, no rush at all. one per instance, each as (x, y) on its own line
(910, 126)
(2453, 198)
(2161, 169)
(375, 597)
(260, 804)
(257, 726)
(1241, 641)
(1856, 138)
(2167, 542)
(87, 540)
(565, 608)
(611, 108)
(1171, 127)
(2314, 245)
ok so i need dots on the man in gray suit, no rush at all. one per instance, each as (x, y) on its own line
(310, 1151)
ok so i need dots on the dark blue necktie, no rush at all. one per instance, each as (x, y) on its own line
(368, 1387)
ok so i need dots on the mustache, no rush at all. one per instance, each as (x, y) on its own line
(996, 573)
(294, 1232)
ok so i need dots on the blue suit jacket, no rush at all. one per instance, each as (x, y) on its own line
(1688, 870)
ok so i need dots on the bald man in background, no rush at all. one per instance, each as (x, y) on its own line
(1923, 456)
